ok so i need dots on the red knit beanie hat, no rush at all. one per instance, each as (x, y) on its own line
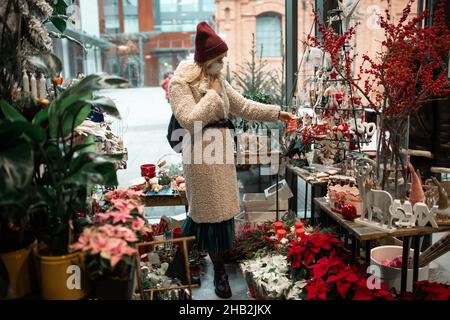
(208, 45)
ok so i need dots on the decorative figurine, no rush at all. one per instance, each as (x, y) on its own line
(443, 208)
(417, 194)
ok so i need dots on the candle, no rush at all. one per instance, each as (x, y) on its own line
(281, 233)
(25, 82)
(278, 225)
(42, 87)
(299, 232)
(33, 86)
(299, 225)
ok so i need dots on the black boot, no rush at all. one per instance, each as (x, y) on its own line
(177, 268)
(222, 287)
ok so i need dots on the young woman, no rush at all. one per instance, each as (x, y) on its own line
(201, 99)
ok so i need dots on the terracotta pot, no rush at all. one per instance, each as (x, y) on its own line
(19, 265)
(61, 277)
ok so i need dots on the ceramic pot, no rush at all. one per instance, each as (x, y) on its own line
(21, 273)
(61, 277)
(115, 289)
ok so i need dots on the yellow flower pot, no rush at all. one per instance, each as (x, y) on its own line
(61, 277)
(19, 265)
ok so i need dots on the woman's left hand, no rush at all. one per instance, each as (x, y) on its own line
(287, 117)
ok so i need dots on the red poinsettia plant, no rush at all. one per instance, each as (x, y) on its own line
(333, 278)
(426, 290)
(323, 259)
(310, 248)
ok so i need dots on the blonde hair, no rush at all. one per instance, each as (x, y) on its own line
(202, 68)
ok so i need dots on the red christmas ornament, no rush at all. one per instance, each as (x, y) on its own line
(348, 212)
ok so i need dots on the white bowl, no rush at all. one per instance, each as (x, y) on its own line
(390, 275)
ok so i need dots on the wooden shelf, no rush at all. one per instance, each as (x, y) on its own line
(364, 233)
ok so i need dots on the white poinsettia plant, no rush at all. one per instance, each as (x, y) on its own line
(271, 273)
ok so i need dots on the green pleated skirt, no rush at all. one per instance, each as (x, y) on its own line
(214, 237)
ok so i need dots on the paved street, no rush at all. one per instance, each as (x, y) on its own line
(145, 117)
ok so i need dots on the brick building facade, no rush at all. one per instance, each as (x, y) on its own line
(151, 36)
(237, 20)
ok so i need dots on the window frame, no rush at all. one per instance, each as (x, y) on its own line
(276, 51)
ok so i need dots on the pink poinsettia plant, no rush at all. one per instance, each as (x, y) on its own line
(124, 207)
(110, 242)
(109, 250)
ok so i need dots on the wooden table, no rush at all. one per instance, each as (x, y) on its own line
(365, 233)
(318, 188)
(165, 200)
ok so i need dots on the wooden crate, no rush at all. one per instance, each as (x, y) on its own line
(257, 202)
(263, 216)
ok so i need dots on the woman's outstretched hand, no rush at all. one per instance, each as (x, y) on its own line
(287, 116)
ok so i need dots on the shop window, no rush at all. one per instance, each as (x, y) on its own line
(227, 14)
(169, 5)
(111, 11)
(208, 6)
(188, 5)
(268, 35)
(131, 18)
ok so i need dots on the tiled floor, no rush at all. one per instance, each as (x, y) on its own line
(236, 279)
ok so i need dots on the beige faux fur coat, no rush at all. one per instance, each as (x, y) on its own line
(211, 186)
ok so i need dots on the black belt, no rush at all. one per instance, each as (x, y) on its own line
(223, 123)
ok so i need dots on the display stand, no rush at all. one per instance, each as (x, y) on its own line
(362, 233)
(151, 244)
(318, 188)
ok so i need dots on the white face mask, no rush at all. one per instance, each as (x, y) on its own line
(215, 68)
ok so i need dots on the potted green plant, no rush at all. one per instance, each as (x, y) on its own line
(69, 171)
(62, 174)
(261, 84)
(16, 171)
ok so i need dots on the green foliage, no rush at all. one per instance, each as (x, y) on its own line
(59, 6)
(59, 21)
(258, 83)
(44, 176)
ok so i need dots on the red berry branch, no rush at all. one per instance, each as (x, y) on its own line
(411, 67)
